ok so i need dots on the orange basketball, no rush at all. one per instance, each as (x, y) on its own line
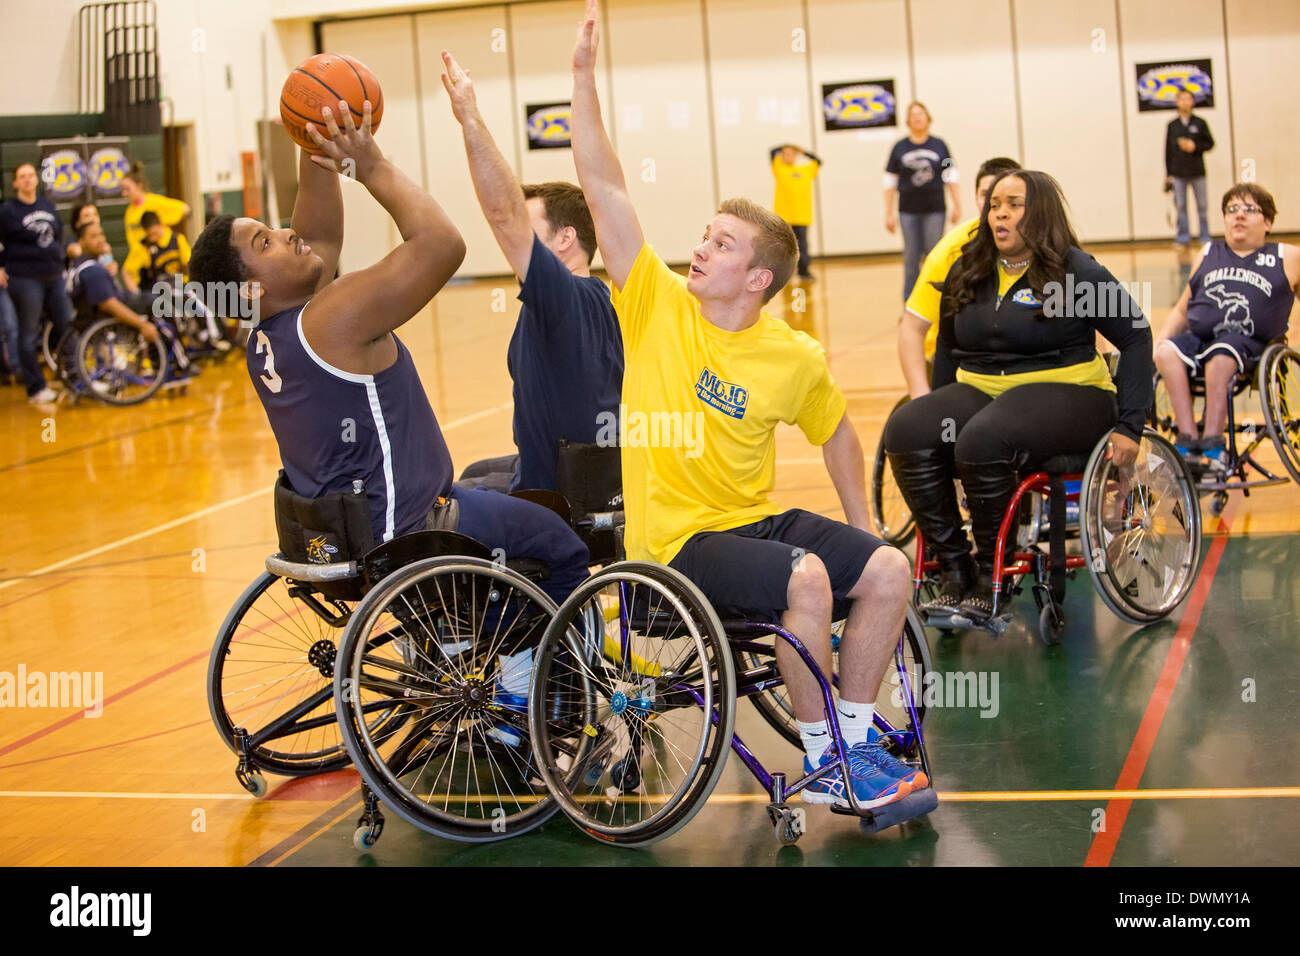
(322, 81)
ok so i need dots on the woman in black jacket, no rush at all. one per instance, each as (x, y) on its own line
(31, 266)
(1024, 380)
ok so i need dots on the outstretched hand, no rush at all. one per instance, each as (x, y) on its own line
(460, 88)
(584, 50)
(350, 151)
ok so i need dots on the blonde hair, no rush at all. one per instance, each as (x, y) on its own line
(775, 248)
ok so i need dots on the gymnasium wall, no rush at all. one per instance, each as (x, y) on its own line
(702, 89)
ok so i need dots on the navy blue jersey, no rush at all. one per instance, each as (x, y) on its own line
(920, 168)
(89, 285)
(566, 360)
(334, 427)
(1248, 295)
(31, 238)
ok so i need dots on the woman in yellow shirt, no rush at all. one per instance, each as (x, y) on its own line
(1018, 380)
(794, 199)
(135, 189)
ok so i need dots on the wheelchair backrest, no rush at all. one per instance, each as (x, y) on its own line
(325, 530)
(590, 477)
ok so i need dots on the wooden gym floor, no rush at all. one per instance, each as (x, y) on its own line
(130, 532)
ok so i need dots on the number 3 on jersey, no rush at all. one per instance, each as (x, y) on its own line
(269, 377)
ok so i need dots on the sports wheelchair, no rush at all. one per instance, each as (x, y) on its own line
(1139, 535)
(112, 361)
(1275, 377)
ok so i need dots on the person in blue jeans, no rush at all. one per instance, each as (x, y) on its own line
(918, 172)
(31, 266)
(1187, 140)
(8, 335)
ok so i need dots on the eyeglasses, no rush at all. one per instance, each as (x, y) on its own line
(1239, 208)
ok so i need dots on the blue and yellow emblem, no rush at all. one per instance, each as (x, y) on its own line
(1026, 297)
(320, 552)
(1161, 85)
(548, 125)
(727, 397)
(863, 104)
(64, 173)
(107, 168)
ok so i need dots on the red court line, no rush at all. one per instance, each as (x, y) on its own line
(73, 718)
(1103, 844)
(116, 743)
(56, 584)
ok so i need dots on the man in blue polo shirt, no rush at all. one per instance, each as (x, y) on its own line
(566, 354)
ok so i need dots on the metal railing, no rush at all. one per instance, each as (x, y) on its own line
(117, 65)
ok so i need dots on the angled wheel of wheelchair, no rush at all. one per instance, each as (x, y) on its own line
(117, 365)
(427, 642)
(271, 676)
(1278, 384)
(1141, 530)
(889, 512)
(913, 655)
(633, 703)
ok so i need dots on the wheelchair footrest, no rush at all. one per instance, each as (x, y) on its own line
(913, 805)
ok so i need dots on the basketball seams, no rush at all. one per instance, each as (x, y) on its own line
(330, 90)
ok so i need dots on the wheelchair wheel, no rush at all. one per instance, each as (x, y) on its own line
(1162, 410)
(1279, 389)
(118, 365)
(774, 703)
(1141, 531)
(427, 641)
(633, 716)
(271, 674)
(49, 346)
(889, 512)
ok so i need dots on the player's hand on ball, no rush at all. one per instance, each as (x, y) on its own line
(460, 88)
(351, 150)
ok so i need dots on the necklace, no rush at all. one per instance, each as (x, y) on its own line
(1012, 265)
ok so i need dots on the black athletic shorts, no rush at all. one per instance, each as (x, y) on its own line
(745, 572)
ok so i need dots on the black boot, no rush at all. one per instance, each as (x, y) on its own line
(925, 477)
(989, 487)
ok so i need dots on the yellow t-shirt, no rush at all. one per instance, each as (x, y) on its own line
(700, 410)
(170, 213)
(924, 300)
(1095, 372)
(794, 202)
(166, 257)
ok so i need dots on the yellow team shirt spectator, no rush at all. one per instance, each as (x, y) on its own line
(698, 426)
(170, 213)
(794, 198)
(170, 255)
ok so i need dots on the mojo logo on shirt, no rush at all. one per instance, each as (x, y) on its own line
(726, 397)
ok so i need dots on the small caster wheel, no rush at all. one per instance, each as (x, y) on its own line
(1218, 503)
(626, 773)
(788, 827)
(364, 839)
(1051, 624)
(253, 782)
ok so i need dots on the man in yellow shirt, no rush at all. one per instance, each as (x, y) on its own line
(702, 355)
(794, 199)
(918, 327)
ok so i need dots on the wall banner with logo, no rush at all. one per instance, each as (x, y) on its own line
(547, 125)
(858, 105)
(81, 170)
(1159, 83)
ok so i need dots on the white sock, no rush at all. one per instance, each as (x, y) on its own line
(816, 738)
(516, 672)
(855, 720)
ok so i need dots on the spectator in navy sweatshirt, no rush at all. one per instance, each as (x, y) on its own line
(1187, 140)
(31, 267)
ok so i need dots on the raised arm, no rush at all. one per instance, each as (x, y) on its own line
(318, 214)
(495, 185)
(844, 463)
(618, 232)
(361, 308)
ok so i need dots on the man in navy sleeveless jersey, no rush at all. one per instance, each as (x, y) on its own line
(1239, 298)
(339, 388)
(566, 354)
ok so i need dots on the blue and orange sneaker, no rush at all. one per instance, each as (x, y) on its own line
(873, 750)
(872, 787)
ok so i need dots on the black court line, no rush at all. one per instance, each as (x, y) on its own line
(306, 833)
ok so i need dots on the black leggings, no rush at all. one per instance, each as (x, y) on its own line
(1026, 425)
